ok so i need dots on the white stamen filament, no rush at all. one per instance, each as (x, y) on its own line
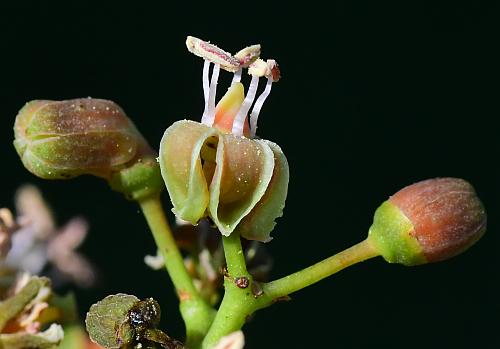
(209, 113)
(206, 84)
(254, 115)
(236, 77)
(206, 87)
(239, 120)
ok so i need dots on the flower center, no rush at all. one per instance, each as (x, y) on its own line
(231, 113)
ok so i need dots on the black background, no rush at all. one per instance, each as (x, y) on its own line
(373, 97)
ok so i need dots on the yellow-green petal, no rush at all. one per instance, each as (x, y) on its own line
(182, 170)
(243, 172)
(259, 223)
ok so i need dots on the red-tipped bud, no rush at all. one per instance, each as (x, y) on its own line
(428, 221)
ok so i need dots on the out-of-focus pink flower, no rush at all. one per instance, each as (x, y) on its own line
(35, 241)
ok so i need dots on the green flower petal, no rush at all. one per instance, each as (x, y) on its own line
(259, 223)
(181, 168)
(243, 172)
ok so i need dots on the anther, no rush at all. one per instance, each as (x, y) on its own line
(212, 53)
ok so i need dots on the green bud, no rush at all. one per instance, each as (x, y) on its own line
(124, 321)
(108, 322)
(428, 221)
(65, 139)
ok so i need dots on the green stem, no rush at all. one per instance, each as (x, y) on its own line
(238, 303)
(308, 276)
(235, 258)
(238, 300)
(196, 313)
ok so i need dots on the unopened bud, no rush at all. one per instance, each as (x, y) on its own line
(65, 139)
(428, 221)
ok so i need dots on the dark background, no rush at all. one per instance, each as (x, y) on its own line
(373, 98)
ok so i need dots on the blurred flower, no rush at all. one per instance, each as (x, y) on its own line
(235, 340)
(22, 315)
(37, 242)
(7, 227)
(217, 168)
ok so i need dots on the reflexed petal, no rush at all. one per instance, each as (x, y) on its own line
(259, 223)
(243, 172)
(182, 170)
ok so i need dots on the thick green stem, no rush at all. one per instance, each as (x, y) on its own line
(238, 298)
(239, 303)
(196, 313)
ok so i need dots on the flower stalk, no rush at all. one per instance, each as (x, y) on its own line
(240, 302)
(196, 313)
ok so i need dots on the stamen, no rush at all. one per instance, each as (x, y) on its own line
(236, 77)
(206, 84)
(239, 120)
(212, 53)
(254, 116)
(206, 89)
(248, 55)
(211, 96)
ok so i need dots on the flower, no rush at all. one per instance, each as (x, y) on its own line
(217, 168)
(428, 221)
(22, 315)
(36, 241)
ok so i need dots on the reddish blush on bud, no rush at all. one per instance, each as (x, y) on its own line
(428, 221)
(447, 215)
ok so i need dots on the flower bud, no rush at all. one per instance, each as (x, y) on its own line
(428, 221)
(124, 321)
(108, 321)
(65, 139)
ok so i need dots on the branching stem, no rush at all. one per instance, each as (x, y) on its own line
(238, 303)
(195, 311)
